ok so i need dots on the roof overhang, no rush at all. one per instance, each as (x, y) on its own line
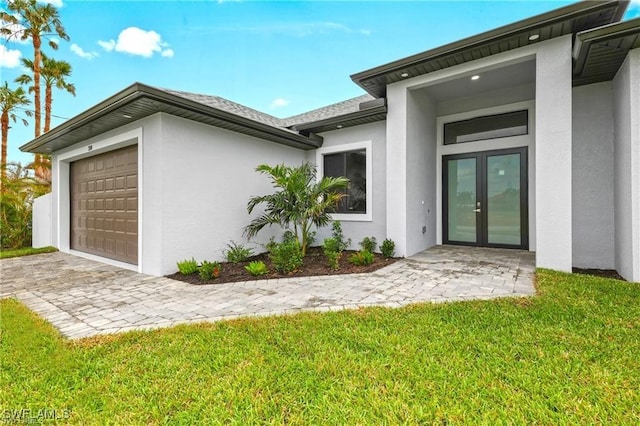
(369, 112)
(599, 53)
(566, 20)
(139, 101)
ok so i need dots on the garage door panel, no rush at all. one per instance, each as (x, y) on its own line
(104, 205)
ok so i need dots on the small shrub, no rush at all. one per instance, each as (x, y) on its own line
(286, 256)
(388, 248)
(210, 270)
(361, 258)
(188, 267)
(336, 233)
(256, 268)
(288, 236)
(368, 244)
(237, 253)
(332, 250)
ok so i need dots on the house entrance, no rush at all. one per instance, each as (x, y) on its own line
(485, 201)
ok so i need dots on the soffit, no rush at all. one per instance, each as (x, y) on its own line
(567, 20)
(599, 53)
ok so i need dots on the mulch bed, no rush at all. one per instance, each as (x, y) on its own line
(604, 273)
(315, 264)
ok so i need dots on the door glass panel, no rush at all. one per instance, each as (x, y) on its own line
(462, 200)
(503, 194)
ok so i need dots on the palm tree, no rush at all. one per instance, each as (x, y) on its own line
(9, 101)
(38, 21)
(301, 201)
(53, 73)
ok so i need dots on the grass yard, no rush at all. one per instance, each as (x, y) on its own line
(27, 251)
(570, 355)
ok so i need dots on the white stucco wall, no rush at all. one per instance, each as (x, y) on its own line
(421, 178)
(592, 177)
(207, 176)
(626, 107)
(41, 222)
(553, 155)
(397, 166)
(376, 226)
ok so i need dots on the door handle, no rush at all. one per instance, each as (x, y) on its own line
(476, 210)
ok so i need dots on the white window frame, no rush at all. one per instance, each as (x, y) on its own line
(356, 146)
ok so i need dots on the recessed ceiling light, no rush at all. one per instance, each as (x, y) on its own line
(534, 37)
(404, 75)
(475, 77)
(126, 116)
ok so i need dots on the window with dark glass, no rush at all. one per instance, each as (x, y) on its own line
(488, 127)
(353, 166)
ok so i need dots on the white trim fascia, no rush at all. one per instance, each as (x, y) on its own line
(527, 141)
(367, 146)
(91, 147)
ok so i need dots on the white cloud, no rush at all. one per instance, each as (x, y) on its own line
(55, 3)
(9, 58)
(138, 42)
(366, 32)
(82, 53)
(279, 103)
(16, 32)
(107, 45)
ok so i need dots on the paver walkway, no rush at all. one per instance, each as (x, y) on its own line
(83, 298)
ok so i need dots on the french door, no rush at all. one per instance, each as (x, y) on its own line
(485, 201)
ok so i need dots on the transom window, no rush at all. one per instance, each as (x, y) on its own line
(353, 166)
(487, 127)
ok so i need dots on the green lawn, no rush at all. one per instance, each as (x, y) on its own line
(27, 251)
(570, 355)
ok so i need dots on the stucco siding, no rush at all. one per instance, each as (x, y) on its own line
(377, 226)
(421, 201)
(592, 177)
(626, 107)
(553, 154)
(208, 176)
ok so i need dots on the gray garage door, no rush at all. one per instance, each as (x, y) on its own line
(104, 204)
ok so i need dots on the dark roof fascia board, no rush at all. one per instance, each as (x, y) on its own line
(114, 102)
(370, 112)
(530, 24)
(138, 91)
(607, 32)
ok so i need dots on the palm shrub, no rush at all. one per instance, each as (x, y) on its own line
(18, 192)
(299, 202)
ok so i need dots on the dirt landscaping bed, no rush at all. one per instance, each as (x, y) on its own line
(315, 264)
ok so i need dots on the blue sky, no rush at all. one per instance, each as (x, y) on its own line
(282, 58)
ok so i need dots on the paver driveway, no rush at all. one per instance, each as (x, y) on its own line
(84, 298)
